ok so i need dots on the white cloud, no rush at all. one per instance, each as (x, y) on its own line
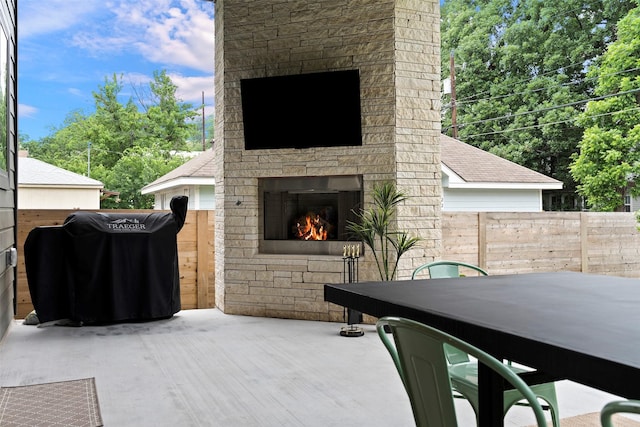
(167, 32)
(190, 88)
(136, 79)
(26, 111)
(38, 17)
(76, 92)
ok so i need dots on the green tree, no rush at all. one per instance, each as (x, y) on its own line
(119, 144)
(169, 119)
(114, 126)
(136, 168)
(65, 148)
(608, 164)
(195, 138)
(521, 74)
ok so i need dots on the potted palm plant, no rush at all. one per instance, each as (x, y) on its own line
(374, 227)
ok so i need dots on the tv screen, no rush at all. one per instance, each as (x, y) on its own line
(302, 111)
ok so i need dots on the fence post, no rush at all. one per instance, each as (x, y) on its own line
(482, 240)
(584, 242)
(202, 285)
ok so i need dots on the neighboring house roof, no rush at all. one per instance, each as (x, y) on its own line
(465, 166)
(470, 167)
(34, 172)
(197, 171)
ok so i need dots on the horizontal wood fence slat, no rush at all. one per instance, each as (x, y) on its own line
(195, 257)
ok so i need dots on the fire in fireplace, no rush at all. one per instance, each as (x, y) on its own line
(313, 226)
(308, 215)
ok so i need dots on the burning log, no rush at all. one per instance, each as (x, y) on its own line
(312, 227)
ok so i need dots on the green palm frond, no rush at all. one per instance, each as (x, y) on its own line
(387, 196)
(403, 243)
(374, 228)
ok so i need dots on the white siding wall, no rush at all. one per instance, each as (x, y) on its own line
(163, 198)
(58, 198)
(481, 200)
(207, 197)
(201, 197)
(157, 201)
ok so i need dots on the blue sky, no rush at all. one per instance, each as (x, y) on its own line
(66, 48)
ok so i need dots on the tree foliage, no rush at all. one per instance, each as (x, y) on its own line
(520, 72)
(608, 164)
(120, 144)
(138, 167)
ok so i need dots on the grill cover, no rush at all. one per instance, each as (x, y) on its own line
(104, 268)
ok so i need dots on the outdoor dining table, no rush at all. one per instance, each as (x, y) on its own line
(565, 325)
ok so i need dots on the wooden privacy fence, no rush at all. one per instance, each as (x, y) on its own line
(500, 242)
(503, 243)
(195, 255)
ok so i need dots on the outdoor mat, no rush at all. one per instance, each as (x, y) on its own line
(593, 420)
(66, 403)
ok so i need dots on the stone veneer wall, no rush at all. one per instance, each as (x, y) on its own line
(395, 44)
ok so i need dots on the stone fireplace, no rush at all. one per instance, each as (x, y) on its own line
(268, 192)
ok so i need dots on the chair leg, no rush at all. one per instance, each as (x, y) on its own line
(555, 417)
(551, 404)
(473, 402)
(545, 392)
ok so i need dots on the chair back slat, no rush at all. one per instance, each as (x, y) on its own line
(447, 269)
(444, 271)
(423, 367)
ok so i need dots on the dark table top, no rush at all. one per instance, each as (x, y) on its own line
(581, 327)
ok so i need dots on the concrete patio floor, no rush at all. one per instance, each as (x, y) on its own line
(205, 368)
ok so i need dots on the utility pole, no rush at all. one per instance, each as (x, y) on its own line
(454, 112)
(88, 160)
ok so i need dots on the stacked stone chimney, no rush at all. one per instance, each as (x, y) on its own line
(395, 45)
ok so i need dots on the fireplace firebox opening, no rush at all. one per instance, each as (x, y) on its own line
(308, 215)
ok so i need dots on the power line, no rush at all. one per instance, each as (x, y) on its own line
(522, 81)
(548, 124)
(494, 98)
(542, 110)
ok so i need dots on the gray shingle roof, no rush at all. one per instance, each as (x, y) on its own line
(475, 165)
(200, 166)
(36, 172)
(469, 163)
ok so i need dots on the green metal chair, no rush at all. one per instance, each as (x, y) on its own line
(446, 269)
(464, 372)
(616, 407)
(418, 352)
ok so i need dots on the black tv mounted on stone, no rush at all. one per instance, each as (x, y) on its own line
(302, 110)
